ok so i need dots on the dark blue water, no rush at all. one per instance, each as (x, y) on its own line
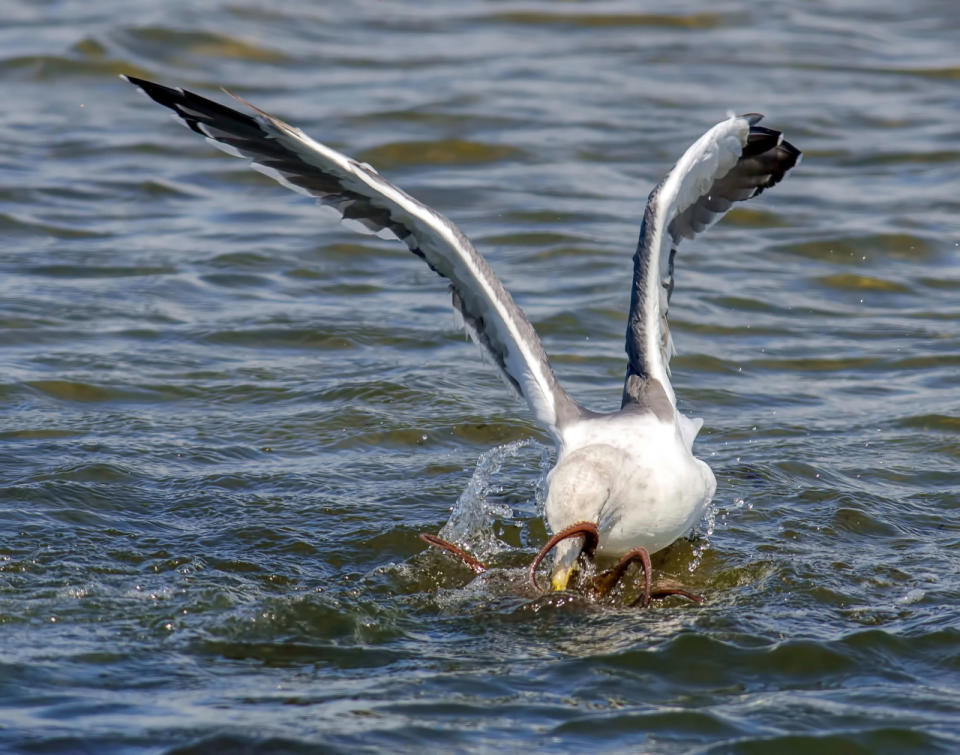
(225, 418)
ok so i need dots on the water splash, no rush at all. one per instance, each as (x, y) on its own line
(472, 518)
(702, 532)
(545, 465)
(707, 526)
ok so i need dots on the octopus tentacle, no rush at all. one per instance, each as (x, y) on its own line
(468, 559)
(587, 530)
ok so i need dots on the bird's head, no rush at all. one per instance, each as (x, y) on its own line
(566, 562)
(581, 537)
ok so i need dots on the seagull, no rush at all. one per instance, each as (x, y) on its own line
(626, 483)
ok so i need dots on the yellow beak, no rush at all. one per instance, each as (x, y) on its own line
(561, 577)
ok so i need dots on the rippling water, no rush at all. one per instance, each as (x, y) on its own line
(225, 418)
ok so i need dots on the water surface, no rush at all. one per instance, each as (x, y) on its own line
(225, 418)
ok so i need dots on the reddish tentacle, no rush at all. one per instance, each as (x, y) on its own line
(605, 582)
(468, 559)
(580, 529)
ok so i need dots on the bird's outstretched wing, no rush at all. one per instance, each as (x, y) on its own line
(358, 192)
(733, 161)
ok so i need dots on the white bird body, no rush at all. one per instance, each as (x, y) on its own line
(631, 473)
(648, 488)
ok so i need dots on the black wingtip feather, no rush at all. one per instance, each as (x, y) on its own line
(778, 160)
(760, 140)
(764, 161)
(193, 109)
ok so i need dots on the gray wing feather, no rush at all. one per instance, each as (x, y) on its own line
(734, 161)
(359, 193)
